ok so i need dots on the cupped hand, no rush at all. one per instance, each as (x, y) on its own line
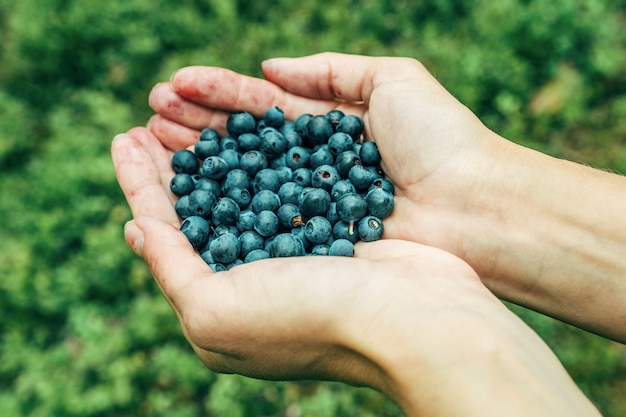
(433, 148)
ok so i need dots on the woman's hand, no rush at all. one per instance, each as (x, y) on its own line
(412, 321)
(541, 232)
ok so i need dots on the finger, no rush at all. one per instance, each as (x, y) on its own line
(141, 177)
(334, 76)
(175, 265)
(172, 106)
(225, 90)
(171, 134)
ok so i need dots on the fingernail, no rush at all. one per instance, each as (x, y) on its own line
(120, 136)
(173, 75)
(273, 62)
(134, 237)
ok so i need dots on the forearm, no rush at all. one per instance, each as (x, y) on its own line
(556, 238)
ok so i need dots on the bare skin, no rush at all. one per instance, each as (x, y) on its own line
(413, 315)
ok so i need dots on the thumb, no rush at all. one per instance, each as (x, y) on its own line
(174, 263)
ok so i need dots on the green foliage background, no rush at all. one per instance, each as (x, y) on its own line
(84, 331)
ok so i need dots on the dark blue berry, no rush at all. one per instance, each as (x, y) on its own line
(379, 202)
(302, 177)
(321, 156)
(246, 220)
(225, 211)
(334, 116)
(339, 142)
(236, 178)
(231, 157)
(319, 130)
(341, 247)
(200, 202)
(351, 207)
(289, 216)
(274, 117)
(370, 228)
(320, 250)
(205, 148)
(370, 156)
(182, 207)
(196, 229)
(289, 192)
(240, 123)
(324, 176)
(345, 161)
(352, 125)
(343, 230)
(383, 183)
(229, 143)
(214, 168)
(248, 141)
(249, 241)
(300, 124)
(256, 255)
(266, 179)
(266, 223)
(297, 157)
(318, 230)
(265, 200)
(182, 184)
(225, 248)
(252, 162)
(241, 196)
(285, 245)
(209, 134)
(314, 202)
(185, 161)
(341, 188)
(361, 177)
(273, 143)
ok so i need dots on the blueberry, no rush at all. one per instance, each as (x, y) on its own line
(207, 257)
(343, 230)
(241, 196)
(289, 192)
(231, 157)
(235, 178)
(197, 230)
(225, 248)
(334, 116)
(214, 168)
(339, 142)
(249, 241)
(369, 154)
(220, 229)
(302, 177)
(233, 264)
(209, 134)
(248, 141)
(185, 161)
(379, 202)
(321, 156)
(225, 211)
(351, 207)
(370, 228)
(217, 267)
(320, 250)
(239, 123)
(246, 220)
(182, 184)
(256, 255)
(274, 117)
(182, 207)
(314, 202)
(286, 244)
(285, 174)
(318, 130)
(300, 124)
(352, 125)
(341, 247)
(252, 162)
(341, 188)
(332, 215)
(289, 216)
(324, 176)
(384, 184)
(266, 179)
(200, 202)
(318, 230)
(299, 233)
(205, 148)
(229, 143)
(273, 143)
(292, 137)
(361, 177)
(265, 200)
(266, 223)
(345, 161)
(297, 157)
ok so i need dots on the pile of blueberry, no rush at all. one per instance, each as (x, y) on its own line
(277, 188)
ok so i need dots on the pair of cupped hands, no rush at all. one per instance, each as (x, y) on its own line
(408, 315)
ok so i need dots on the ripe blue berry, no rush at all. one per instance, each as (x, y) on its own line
(324, 176)
(214, 167)
(185, 161)
(286, 244)
(379, 202)
(370, 228)
(239, 123)
(182, 184)
(225, 211)
(341, 247)
(196, 229)
(225, 248)
(256, 255)
(352, 125)
(266, 223)
(369, 154)
(314, 202)
(351, 207)
(274, 117)
(318, 230)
